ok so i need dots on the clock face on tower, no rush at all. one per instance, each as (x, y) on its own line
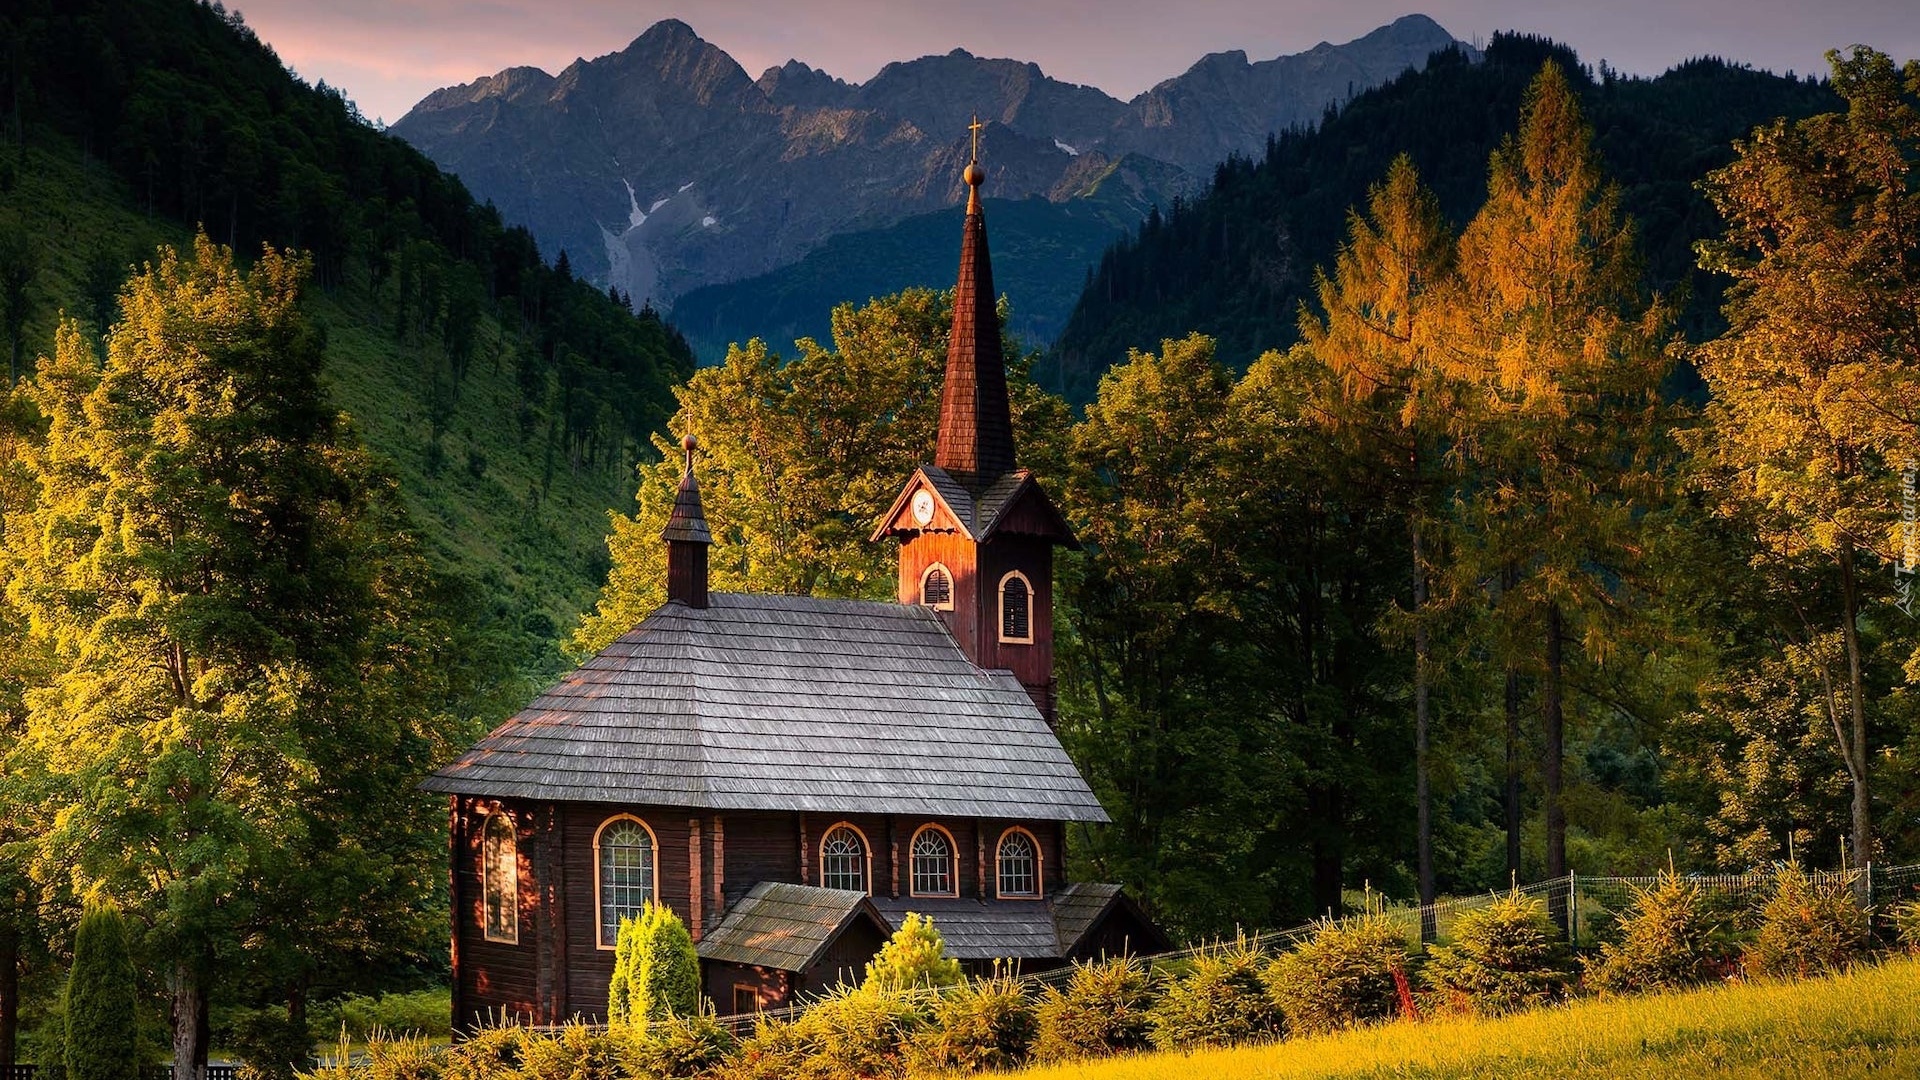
(922, 506)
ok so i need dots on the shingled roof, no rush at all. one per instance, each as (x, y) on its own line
(1010, 930)
(784, 926)
(784, 703)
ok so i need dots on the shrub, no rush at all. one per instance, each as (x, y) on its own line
(914, 957)
(775, 1051)
(1104, 1009)
(1906, 923)
(1806, 928)
(1348, 973)
(1505, 957)
(423, 1012)
(1667, 941)
(493, 1052)
(978, 1025)
(406, 1058)
(1220, 1000)
(851, 1034)
(101, 1000)
(575, 1052)
(271, 1043)
(680, 1046)
(656, 973)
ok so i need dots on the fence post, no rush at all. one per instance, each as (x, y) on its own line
(1573, 908)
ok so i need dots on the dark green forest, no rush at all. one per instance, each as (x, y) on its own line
(1237, 262)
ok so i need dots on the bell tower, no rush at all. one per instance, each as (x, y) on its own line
(976, 531)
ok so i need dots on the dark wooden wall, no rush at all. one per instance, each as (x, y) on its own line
(975, 618)
(557, 969)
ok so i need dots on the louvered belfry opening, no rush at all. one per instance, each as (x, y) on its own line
(687, 539)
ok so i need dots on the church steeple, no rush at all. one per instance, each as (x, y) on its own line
(975, 442)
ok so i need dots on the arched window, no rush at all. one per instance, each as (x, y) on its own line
(933, 872)
(936, 588)
(1019, 864)
(623, 872)
(1016, 609)
(500, 879)
(843, 859)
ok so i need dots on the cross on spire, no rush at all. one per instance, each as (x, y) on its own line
(975, 128)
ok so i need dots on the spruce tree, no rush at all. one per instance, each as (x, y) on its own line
(101, 1000)
(656, 972)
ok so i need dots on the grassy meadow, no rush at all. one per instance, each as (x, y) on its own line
(1862, 1024)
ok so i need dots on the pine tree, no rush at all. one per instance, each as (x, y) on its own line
(102, 1000)
(1378, 338)
(913, 958)
(1563, 426)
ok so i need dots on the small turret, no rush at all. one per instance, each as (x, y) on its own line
(687, 539)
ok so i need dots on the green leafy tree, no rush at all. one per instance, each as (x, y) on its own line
(1816, 380)
(656, 973)
(102, 1006)
(243, 694)
(913, 958)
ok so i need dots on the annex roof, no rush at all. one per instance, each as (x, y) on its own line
(784, 926)
(1010, 929)
(784, 703)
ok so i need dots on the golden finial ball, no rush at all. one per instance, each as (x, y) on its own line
(974, 175)
(689, 443)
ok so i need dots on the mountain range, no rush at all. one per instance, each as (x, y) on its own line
(665, 166)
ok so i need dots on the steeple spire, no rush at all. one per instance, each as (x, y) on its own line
(975, 441)
(687, 538)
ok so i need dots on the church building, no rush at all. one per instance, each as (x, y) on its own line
(792, 775)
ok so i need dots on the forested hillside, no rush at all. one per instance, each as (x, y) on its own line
(1237, 262)
(512, 400)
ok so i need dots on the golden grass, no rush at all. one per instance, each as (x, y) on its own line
(1865, 1023)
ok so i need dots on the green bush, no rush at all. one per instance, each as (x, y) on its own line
(271, 1043)
(102, 1003)
(1219, 1000)
(1807, 929)
(1906, 923)
(1667, 940)
(656, 973)
(1348, 973)
(1104, 1009)
(1505, 957)
(423, 1012)
(979, 1025)
(914, 957)
(680, 1046)
(493, 1052)
(574, 1052)
(851, 1034)
(775, 1051)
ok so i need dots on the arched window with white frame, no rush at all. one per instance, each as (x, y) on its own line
(500, 879)
(1017, 865)
(932, 858)
(936, 588)
(623, 872)
(843, 859)
(1016, 609)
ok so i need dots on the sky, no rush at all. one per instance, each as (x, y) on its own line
(388, 54)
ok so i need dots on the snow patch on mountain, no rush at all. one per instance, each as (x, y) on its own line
(708, 221)
(1071, 152)
(635, 216)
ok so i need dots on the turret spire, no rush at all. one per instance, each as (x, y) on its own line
(976, 429)
(687, 538)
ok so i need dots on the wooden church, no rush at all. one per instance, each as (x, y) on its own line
(791, 775)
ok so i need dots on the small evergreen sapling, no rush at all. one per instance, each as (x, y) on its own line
(1348, 973)
(101, 1000)
(656, 973)
(1103, 1010)
(984, 1024)
(913, 958)
(1220, 1001)
(1906, 923)
(1807, 928)
(1668, 940)
(1506, 956)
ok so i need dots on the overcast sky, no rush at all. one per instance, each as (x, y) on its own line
(387, 54)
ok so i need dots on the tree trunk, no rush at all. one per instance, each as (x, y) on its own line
(1513, 774)
(1422, 787)
(189, 1005)
(1857, 705)
(1553, 728)
(9, 992)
